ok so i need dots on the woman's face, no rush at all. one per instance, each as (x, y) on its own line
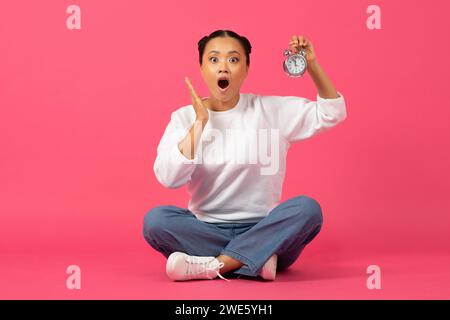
(224, 67)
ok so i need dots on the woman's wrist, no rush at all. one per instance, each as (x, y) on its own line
(201, 121)
(313, 66)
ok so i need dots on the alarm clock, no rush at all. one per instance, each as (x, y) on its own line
(294, 64)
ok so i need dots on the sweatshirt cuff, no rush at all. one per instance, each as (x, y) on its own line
(333, 108)
(338, 100)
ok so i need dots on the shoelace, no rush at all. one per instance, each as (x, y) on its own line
(197, 266)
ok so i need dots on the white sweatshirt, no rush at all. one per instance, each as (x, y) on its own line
(239, 166)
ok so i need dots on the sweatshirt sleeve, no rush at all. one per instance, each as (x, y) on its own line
(171, 167)
(300, 118)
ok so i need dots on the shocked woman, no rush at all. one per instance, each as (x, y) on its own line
(235, 223)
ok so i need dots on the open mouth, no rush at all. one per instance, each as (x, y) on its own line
(223, 83)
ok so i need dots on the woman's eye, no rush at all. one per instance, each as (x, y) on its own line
(231, 59)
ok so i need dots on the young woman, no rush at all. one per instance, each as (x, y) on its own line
(234, 222)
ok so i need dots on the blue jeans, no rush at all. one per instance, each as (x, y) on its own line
(286, 231)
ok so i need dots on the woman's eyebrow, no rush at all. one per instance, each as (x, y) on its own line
(233, 51)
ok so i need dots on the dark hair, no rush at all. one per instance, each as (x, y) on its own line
(224, 33)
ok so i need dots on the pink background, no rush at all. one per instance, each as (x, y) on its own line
(82, 112)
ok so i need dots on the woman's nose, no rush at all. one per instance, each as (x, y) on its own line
(223, 67)
(223, 70)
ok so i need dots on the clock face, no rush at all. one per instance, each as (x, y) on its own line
(295, 64)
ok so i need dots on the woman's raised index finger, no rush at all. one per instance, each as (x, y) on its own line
(191, 88)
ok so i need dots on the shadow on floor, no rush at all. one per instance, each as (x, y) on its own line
(309, 273)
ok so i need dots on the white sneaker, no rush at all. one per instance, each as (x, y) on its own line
(269, 269)
(181, 267)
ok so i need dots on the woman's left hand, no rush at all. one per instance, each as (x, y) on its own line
(301, 43)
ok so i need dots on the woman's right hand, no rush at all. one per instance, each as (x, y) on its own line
(198, 103)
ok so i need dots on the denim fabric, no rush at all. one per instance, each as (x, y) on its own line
(285, 231)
